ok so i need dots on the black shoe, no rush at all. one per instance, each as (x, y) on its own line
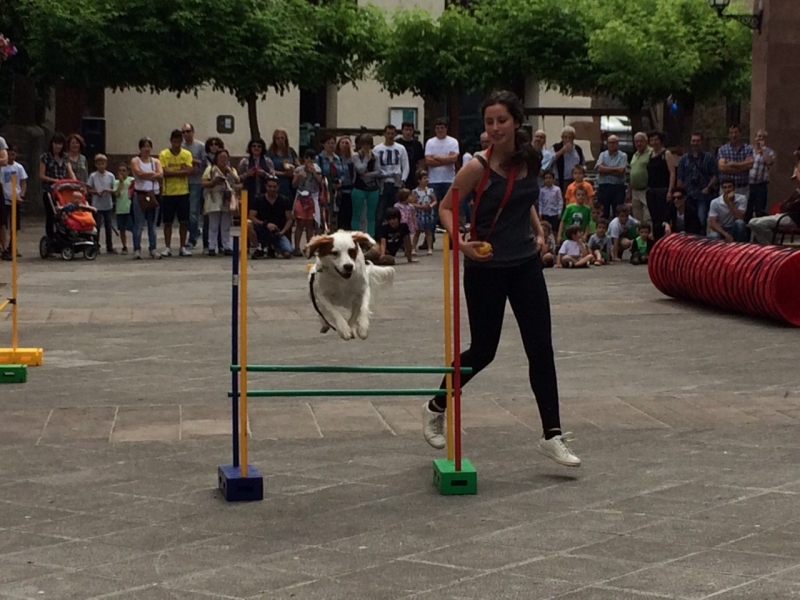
(227, 252)
(6, 255)
(270, 252)
(257, 254)
(212, 252)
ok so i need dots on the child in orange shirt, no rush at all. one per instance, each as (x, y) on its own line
(579, 180)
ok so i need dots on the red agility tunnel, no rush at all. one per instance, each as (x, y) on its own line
(762, 281)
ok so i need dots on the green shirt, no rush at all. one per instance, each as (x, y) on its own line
(123, 201)
(575, 214)
(641, 245)
(639, 169)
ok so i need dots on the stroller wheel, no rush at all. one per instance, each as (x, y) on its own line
(68, 253)
(44, 247)
(90, 253)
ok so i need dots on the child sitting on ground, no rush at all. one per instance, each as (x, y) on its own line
(640, 249)
(408, 213)
(579, 182)
(551, 202)
(600, 244)
(573, 252)
(575, 214)
(622, 230)
(597, 214)
(549, 250)
(392, 236)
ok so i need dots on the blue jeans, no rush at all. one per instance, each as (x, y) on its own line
(270, 239)
(757, 204)
(149, 216)
(703, 203)
(440, 189)
(738, 231)
(195, 211)
(388, 198)
(104, 218)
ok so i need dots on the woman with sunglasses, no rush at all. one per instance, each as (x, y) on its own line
(682, 215)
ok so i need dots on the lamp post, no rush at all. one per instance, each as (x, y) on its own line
(753, 21)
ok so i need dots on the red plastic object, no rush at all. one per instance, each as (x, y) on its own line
(761, 281)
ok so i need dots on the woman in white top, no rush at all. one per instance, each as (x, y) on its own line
(148, 176)
(219, 186)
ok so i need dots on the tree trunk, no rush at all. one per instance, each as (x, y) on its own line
(453, 114)
(686, 112)
(432, 108)
(252, 117)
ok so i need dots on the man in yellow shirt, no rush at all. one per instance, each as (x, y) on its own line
(177, 164)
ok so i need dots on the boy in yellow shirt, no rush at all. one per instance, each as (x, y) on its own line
(177, 164)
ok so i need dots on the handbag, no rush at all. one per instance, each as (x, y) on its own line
(146, 199)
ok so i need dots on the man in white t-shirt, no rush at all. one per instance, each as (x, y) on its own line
(392, 162)
(726, 215)
(441, 156)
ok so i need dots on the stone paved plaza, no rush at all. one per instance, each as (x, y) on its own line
(687, 421)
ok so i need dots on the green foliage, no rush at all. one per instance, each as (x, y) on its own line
(346, 40)
(433, 58)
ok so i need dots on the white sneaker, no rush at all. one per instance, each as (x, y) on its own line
(556, 448)
(186, 251)
(165, 253)
(433, 424)
(153, 254)
(137, 255)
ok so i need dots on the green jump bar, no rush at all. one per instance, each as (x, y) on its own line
(356, 392)
(345, 369)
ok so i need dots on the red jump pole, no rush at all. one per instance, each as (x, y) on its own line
(456, 333)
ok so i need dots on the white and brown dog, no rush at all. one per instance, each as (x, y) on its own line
(342, 279)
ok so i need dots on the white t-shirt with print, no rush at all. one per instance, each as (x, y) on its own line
(437, 147)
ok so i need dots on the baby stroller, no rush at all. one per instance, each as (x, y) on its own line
(76, 230)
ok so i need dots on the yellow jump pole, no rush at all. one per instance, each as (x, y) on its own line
(12, 231)
(448, 356)
(244, 246)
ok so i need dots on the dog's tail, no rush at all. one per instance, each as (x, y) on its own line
(380, 279)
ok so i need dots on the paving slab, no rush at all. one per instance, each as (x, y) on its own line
(691, 450)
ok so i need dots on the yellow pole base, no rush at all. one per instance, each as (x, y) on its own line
(32, 357)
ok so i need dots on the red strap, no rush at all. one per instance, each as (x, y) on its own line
(512, 175)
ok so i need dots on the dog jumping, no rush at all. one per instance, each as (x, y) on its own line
(342, 284)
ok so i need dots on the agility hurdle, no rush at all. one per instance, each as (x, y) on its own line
(241, 481)
(14, 361)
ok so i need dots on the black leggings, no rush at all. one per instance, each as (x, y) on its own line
(486, 290)
(658, 207)
(49, 217)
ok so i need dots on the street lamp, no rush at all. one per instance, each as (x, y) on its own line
(753, 21)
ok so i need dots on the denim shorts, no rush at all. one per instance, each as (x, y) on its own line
(125, 222)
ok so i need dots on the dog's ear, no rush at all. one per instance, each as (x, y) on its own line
(319, 245)
(363, 239)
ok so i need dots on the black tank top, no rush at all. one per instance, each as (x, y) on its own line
(658, 171)
(512, 239)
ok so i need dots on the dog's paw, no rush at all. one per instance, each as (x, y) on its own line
(324, 329)
(346, 333)
(362, 330)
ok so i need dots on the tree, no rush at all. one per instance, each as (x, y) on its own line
(447, 57)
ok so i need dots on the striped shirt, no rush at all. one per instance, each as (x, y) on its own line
(760, 171)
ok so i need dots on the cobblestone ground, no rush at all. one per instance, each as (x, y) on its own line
(687, 420)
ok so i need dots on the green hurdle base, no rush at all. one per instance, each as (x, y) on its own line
(13, 373)
(450, 482)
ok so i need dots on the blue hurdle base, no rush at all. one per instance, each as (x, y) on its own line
(236, 488)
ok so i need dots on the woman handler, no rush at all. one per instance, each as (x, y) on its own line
(504, 180)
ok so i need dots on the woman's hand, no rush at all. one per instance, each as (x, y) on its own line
(541, 244)
(470, 250)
